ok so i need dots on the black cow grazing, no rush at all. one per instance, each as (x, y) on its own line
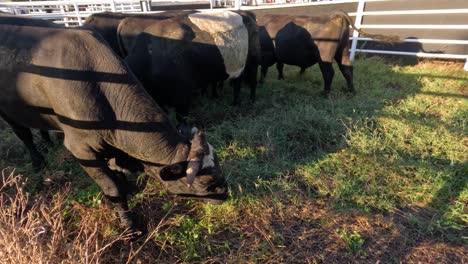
(107, 24)
(129, 28)
(171, 57)
(306, 40)
(55, 78)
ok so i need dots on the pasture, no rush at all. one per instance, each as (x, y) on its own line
(379, 176)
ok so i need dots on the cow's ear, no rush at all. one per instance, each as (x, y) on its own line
(174, 171)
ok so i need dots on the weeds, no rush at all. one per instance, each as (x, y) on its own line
(36, 230)
(354, 240)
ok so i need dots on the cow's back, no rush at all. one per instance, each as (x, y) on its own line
(106, 24)
(326, 31)
(53, 77)
(129, 28)
(303, 40)
(273, 23)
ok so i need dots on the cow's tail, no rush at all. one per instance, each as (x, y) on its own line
(392, 39)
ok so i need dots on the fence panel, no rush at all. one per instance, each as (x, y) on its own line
(70, 13)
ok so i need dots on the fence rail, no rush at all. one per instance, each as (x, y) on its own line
(73, 12)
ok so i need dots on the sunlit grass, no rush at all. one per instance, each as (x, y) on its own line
(300, 167)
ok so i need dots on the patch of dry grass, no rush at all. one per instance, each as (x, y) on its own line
(47, 228)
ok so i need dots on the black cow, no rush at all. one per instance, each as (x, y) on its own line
(55, 78)
(171, 57)
(306, 40)
(107, 23)
(129, 28)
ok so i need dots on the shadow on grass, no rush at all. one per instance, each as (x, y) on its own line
(291, 127)
(282, 215)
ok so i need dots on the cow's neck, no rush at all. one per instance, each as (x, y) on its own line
(143, 129)
(136, 124)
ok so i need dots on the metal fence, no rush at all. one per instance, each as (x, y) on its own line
(360, 13)
(73, 12)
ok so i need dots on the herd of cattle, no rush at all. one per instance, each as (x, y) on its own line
(102, 85)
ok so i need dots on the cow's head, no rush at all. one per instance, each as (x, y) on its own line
(199, 176)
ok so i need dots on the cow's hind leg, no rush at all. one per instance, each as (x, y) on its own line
(346, 69)
(46, 137)
(327, 73)
(344, 63)
(25, 135)
(280, 67)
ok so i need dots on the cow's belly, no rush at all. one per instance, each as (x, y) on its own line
(295, 51)
(302, 57)
(31, 116)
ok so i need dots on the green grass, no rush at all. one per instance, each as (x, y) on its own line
(389, 163)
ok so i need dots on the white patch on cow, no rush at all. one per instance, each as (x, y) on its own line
(208, 160)
(230, 36)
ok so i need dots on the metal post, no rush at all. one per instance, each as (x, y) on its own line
(113, 6)
(357, 23)
(65, 19)
(77, 12)
(237, 4)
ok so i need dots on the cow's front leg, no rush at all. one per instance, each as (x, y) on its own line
(302, 71)
(236, 85)
(279, 67)
(112, 186)
(264, 71)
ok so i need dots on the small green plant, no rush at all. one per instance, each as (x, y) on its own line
(354, 241)
(90, 196)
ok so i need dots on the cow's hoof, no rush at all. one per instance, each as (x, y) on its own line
(38, 164)
(351, 92)
(134, 233)
(133, 228)
(325, 94)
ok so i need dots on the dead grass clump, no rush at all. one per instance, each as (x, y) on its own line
(46, 228)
